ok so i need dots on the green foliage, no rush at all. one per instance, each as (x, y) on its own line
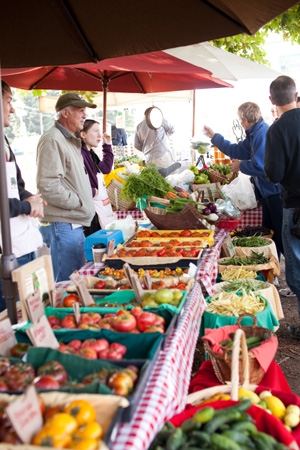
(250, 47)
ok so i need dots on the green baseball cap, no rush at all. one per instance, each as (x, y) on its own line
(72, 99)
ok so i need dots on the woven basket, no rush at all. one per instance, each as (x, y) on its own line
(113, 192)
(157, 205)
(188, 218)
(222, 362)
(240, 369)
(216, 177)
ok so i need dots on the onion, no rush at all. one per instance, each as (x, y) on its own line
(206, 211)
(213, 217)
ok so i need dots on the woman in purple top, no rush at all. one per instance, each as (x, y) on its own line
(91, 137)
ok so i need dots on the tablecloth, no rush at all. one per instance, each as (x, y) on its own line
(251, 218)
(207, 269)
(135, 213)
(167, 387)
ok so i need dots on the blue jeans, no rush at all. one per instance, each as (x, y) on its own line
(291, 246)
(66, 248)
(272, 219)
(22, 260)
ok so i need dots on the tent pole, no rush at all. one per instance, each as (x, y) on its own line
(104, 86)
(8, 260)
(194, 113)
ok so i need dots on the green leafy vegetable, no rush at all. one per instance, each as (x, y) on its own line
(148, 182)
(253, 241)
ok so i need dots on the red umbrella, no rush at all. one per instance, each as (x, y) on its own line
(146, 73)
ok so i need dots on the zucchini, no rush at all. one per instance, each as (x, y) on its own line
(241, 438)
(204, 415)
(201, 438)
(176, 440)
(220, 419)
(244, 427)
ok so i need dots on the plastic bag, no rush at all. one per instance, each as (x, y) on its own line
(182, 180)
(241, 192)
(127, 226)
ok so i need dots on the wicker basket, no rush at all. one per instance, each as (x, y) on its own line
(222, 361)
(157, 205)
(188, 218)
(113, 192)
(239, 369)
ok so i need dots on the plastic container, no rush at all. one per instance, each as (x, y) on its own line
(101, 237)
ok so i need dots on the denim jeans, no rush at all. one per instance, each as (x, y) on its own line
(66, 248)
(22, 260)
(272, 219)
(291, 246)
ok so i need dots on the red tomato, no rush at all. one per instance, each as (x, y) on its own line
(145, 320)
(136, 311)
(186, 233)
(46, 382)
(54, 321)
(158, 284)
(68, 321)
(96, 344)
(100, 284)
(91, 318)
(87, 352)
(161, 252)
(181, 285)
(124, 322)
(118, 348)
(113, 354)
(55, 369)
(121, 383)
(75, 344)
(144, 233)
(70, 299)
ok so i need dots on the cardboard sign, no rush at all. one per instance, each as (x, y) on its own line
(25, 415)
(41, 334)
(76, 309)
(7, 337)
(192, 272)
(34, 306)
(228, 249)
(83, 293)
(56, 297)
(110, 247)
(148, 280)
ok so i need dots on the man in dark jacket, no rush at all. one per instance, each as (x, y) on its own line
(282, 165)
(248, 157)
(23, 205)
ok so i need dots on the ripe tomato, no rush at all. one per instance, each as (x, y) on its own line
(69, 299)
(181, 285)
(82, 411)
(144, 233)
(118, 348)
(46, 382)
(96, 344)
(100, 284)
(158, 284)
(124, 322)
(52, 436)
(120, 383)
(91, 430)
(145, 320)
(19, 350)
(186, 233)
(54, 369)
(4, 365)
(88, 353)
(161, 252)
(68, 321)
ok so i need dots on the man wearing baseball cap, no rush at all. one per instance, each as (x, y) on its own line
(64, 184)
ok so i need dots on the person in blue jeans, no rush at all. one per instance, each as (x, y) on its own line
(64, 183)
(23, 206)
(282, 165)
(248, 157)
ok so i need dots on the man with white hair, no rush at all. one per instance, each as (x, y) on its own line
(64, 184)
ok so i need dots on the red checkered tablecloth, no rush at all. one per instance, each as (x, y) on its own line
(135, 213)
(167, 387)
(207, 271)
(251, 218)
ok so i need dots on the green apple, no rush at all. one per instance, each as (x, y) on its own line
(163, 295)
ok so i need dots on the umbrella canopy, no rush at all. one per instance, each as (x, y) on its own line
(56, 32)
(221, 63)
(147, 73)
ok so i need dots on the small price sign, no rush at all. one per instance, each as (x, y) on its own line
(7, 337)
(82, 290)
(41, 334)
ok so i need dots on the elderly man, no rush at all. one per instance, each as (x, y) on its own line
(64, 184)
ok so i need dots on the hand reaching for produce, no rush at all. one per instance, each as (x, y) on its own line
(208, 132)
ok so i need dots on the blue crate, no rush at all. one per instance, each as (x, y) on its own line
(101, 237)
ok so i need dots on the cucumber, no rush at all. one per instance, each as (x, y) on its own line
(221, 442)
(241, 438)
(201, 438)
(204, 415)
(188, 426)
(263, 441)
(244, 427)
(215, 423)
(176, 440)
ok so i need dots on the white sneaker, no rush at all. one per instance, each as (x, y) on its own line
(286, 292)
(276, 281)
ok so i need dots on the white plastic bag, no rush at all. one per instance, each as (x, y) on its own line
(127, 226)
(241, 192)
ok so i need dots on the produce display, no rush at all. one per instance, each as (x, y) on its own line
(232, 304)
(253, 241)
(244, 284)
(228, 428)
(239, 272)
(251, 231)
(251, 342)
(175, 233)
(94, 349)
(255, 259)
(119, 274)
(163, 252)
(53, 376)
(134, 321)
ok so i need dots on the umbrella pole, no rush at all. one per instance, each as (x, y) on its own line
(8, 260)
(104, 86)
